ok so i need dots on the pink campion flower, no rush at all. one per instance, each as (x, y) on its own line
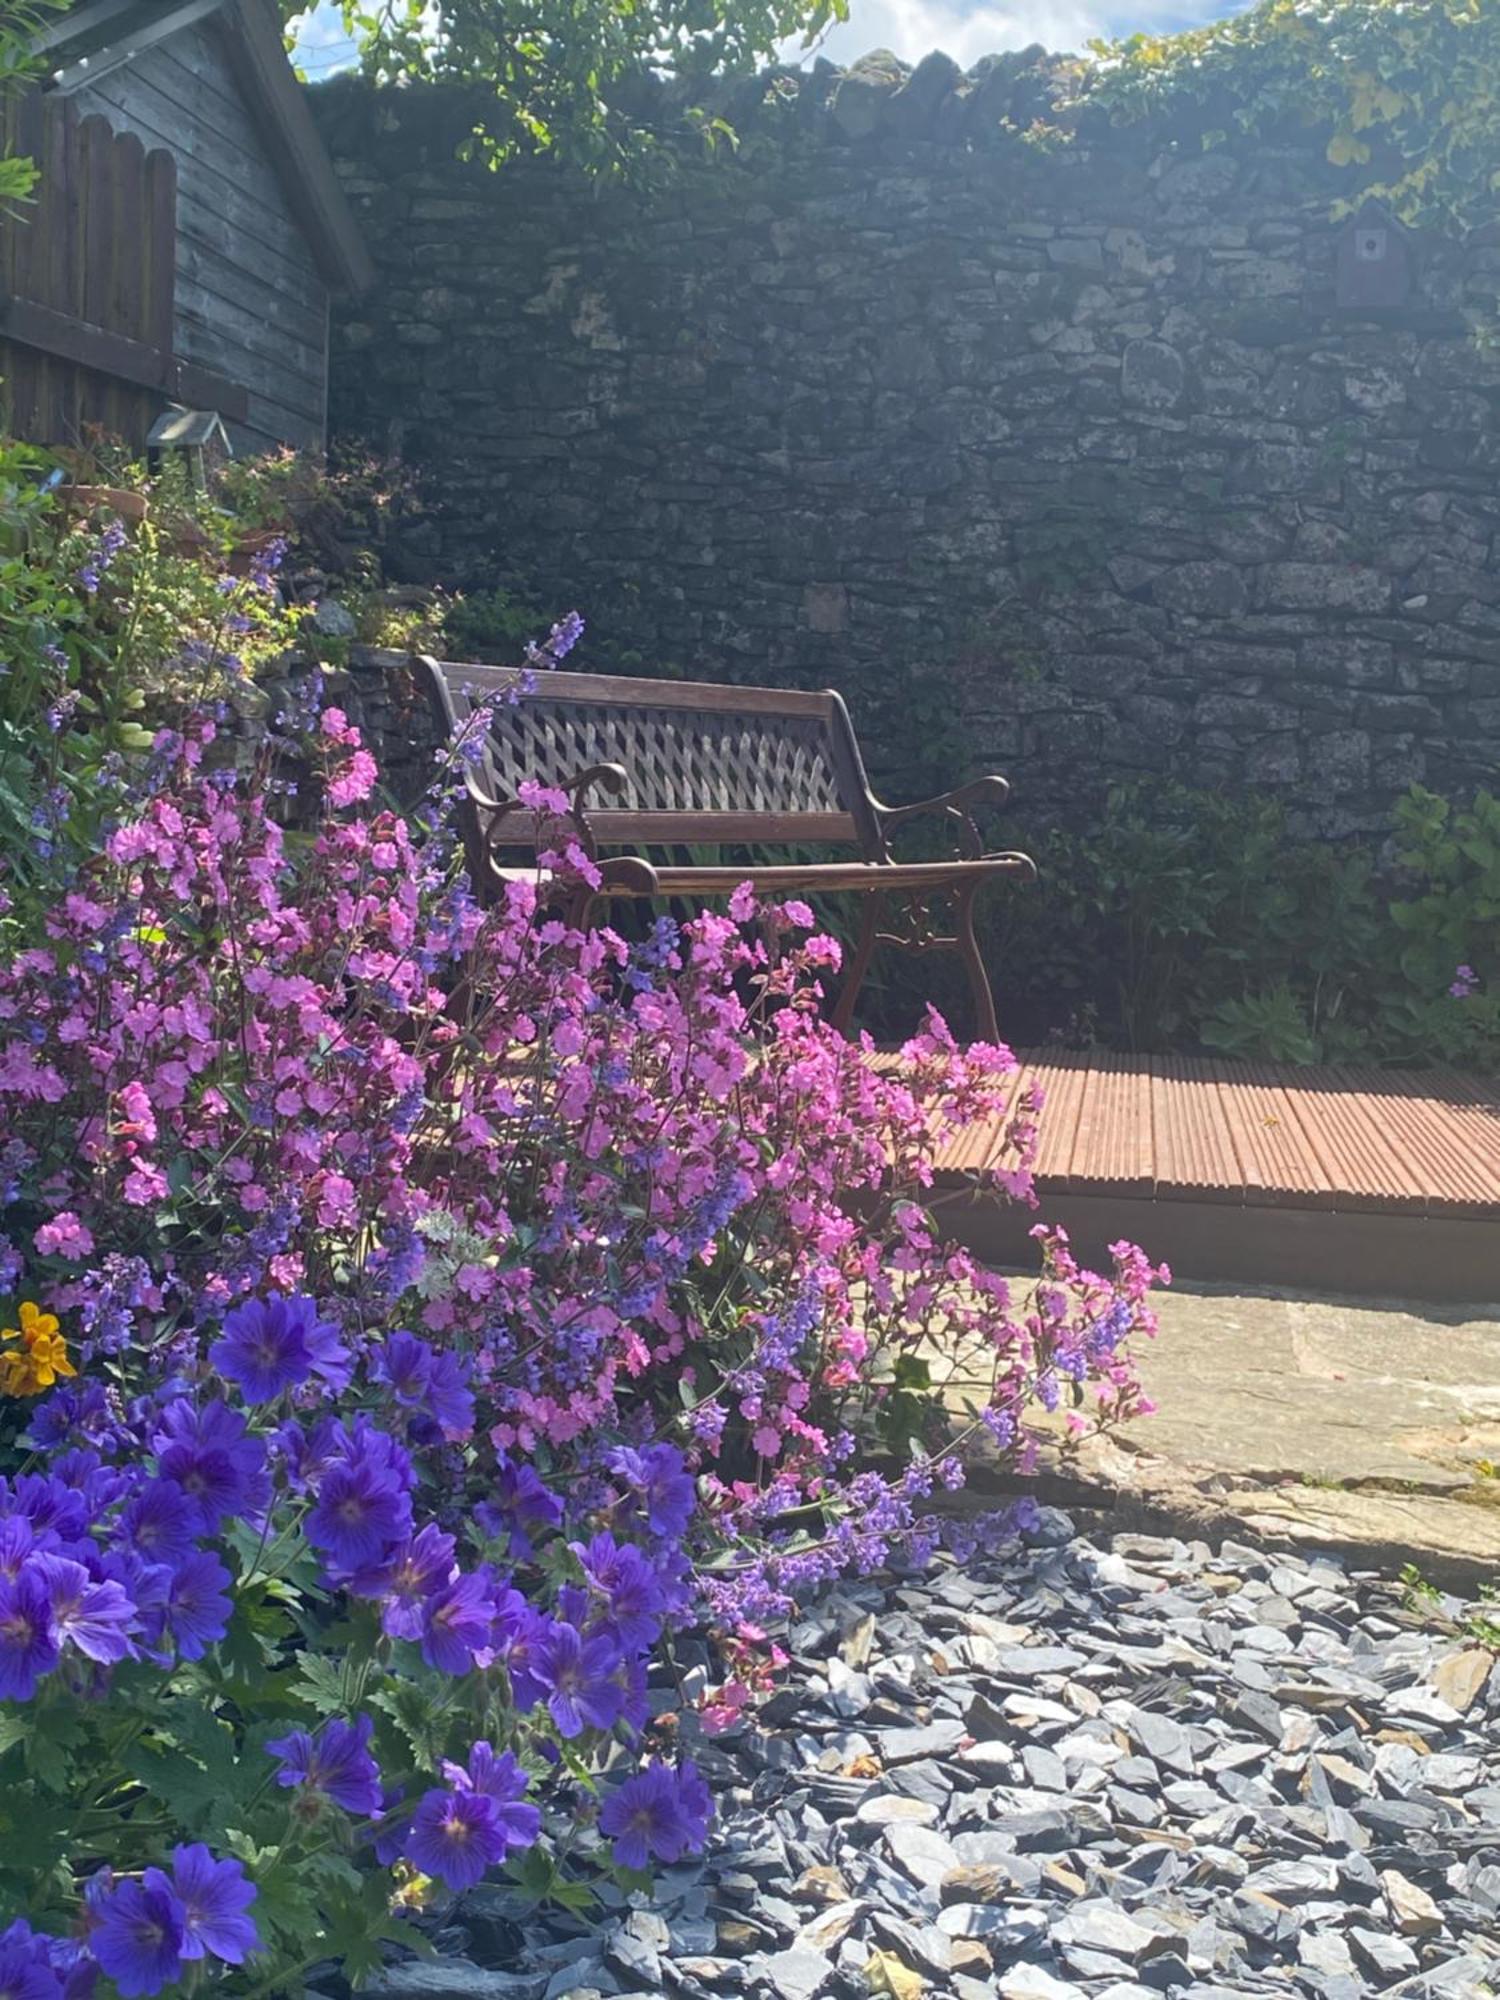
(354, 780)
(136, 1119)
(743, 904)
(336, 1202)
(797, 912)
(63, 1236)
(145, 1185)
(23, 1074)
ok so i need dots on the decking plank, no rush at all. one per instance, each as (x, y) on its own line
(1366, 1168)
(1063, 1080)
(1351, 1138)
(1113, 1149)
(1195, 1150)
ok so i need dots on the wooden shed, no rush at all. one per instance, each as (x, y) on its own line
(186, 236)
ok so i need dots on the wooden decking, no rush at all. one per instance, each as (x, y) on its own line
(1351, 1179)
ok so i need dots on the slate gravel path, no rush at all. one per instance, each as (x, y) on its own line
(1096, 1770)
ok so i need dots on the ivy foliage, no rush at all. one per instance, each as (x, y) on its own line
(1408, 91)
(575, 77)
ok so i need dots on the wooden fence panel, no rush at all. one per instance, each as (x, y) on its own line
(87, 274)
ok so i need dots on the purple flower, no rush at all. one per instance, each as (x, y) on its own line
(520, 1504)
(138, 1933)
(519, 1634)
(458, 1621)
(627, 1582)
(502, 1782)
(406, 1584)
(26, 1969)
(97, 561)
(577, 1676)
(210, 1454)
(336, 1764)
(1465, 979)
(364, 1499)
(657, 1812)
(564, 635)
(97, 1618)
(271, 1345)
(197, 1607)
(456, 1837)
(159, 1521)
(664, 1486)
(214, 1897)
(28, 1643)
(423, 1379)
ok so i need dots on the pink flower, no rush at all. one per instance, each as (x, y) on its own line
(145, 1185)
(335, 1201)
(64, 1236)
(354, 780)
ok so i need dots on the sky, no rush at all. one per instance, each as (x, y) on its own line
(913, 27)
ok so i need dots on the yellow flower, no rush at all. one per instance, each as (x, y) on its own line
(35, 1323)
(45, 1358)
(414, 1890)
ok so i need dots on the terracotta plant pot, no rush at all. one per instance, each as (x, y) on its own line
(110, 499)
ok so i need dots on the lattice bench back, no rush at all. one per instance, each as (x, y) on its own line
(703, 763)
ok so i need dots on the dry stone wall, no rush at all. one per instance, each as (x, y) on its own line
(1063, 460)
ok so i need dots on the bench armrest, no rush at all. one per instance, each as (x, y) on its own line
(493, 813)
(955, 806)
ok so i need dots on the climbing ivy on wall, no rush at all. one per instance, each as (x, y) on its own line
(1410, 90)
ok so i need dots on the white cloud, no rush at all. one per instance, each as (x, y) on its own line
(913, 27)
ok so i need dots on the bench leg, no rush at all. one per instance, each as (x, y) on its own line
(859, 964)
(986, 1026)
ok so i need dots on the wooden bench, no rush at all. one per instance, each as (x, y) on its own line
(673, 764)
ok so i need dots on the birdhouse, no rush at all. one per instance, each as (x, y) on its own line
(1373, 263)
(198, 436)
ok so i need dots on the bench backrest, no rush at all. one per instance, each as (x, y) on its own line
(703, 763)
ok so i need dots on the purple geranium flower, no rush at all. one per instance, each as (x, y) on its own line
(26, 1969)
(457, 1834)
(520, 1504)
(458, 1621)
(629, 1585)
(363, 1500)
(97, 1618)
(335, 1763)
(28, 1642)
(138, 1933)
(662, 1483)
(210, 1454)
(413, 1576)
(271, 1345)
(214, 1897)
(519, 1634)
(197, 1607)
(658, 1812)
(159, 1521)
(577, 1676)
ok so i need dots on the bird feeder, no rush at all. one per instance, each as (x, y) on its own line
(198, 436)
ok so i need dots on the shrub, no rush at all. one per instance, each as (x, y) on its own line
(419, 1312)
(1193, 920)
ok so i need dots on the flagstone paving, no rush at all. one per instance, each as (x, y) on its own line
(1369, 1428)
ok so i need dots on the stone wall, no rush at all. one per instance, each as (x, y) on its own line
(1066, 461)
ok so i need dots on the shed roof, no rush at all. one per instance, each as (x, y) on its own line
(100, 35)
